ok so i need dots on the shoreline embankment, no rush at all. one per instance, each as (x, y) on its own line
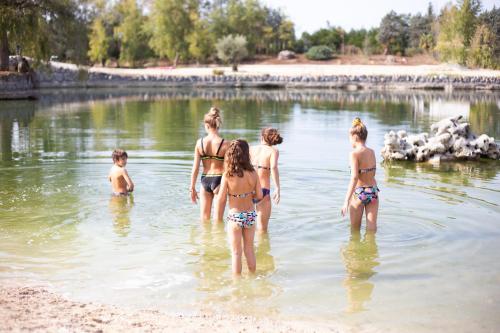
(345, 77)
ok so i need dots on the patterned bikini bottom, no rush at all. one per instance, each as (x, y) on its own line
(243, 219)
(367, 194)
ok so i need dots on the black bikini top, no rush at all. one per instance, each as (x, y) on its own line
(212, 157)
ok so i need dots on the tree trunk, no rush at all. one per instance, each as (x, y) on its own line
(235, 67)
(176, 59)
(4, 51)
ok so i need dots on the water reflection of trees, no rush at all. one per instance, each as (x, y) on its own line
(49, 97)
(360, 259)
(76, 121)
(458, 173)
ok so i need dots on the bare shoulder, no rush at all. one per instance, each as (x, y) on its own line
(356, 153)
(371, 152)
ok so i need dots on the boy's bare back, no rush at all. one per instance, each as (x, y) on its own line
(118, 175)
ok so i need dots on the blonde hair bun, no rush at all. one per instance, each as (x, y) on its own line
(357, 122)
(213, 118)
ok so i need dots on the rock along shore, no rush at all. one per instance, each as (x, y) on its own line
(436, 77)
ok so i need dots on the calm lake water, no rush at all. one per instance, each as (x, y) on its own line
(434, 263)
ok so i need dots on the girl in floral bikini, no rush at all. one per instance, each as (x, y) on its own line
(241, 183)
(362, 193)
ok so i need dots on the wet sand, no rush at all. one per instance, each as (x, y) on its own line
(35, 309)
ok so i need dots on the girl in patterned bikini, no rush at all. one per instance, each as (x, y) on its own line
(210, 151)
(265, 161)
(362, 193)
(241, 183)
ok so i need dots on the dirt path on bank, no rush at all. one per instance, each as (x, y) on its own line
(303, 70)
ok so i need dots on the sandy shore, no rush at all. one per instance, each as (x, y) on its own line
(35, 309)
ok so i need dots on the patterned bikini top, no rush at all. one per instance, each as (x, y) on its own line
(212, 157)
(243, 195)
(261, 167)
(364, 170)
(367, 170)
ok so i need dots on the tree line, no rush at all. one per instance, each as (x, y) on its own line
(132, 32)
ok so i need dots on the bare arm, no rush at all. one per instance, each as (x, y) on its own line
(222, 195)
(194, 174)
(352, 184)
(258, 188)
(130, 183)
(275, 175)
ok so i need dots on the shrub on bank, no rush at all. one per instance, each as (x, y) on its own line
(320, 52)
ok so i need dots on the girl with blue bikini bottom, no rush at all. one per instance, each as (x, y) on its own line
(362, 194)
(241, 185)
(265, 161)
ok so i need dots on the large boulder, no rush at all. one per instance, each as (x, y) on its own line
(286, 55)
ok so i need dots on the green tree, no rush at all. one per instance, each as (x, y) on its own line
(98, 42)
(330, 37)
(170, 25)
(355, 37)
(371, 45)
(26, 24)
(468, 18)
(481, 49)
(201, 41)
(450, 41)
(418, 26)
(394, 33)
(491, 19)
(232, 49)
(130, 31)
(286, 35)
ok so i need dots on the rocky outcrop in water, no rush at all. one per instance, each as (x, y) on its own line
(451, 139)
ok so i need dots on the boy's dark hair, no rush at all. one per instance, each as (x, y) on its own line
(118, 154)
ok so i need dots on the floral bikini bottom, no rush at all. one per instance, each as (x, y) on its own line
(243, 219)
(367, 194)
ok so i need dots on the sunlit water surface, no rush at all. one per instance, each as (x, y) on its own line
(434, 263)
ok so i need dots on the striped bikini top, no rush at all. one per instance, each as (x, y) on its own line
(212, 157)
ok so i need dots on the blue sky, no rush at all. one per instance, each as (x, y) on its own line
(310, 15)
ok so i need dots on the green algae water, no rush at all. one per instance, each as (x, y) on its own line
(433, 265)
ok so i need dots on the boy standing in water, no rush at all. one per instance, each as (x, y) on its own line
(118, 175)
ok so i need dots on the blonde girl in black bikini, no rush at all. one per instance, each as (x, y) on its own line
(362, 193)
(210, 151)
(265, 161)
